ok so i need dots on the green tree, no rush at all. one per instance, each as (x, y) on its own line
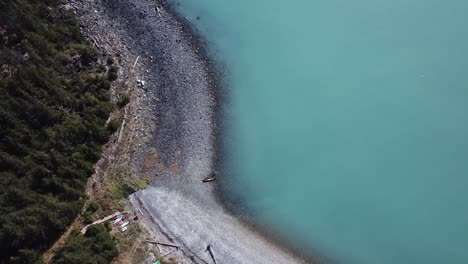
(54, 104)
(95, 247)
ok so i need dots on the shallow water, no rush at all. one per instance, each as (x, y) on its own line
(347, 122)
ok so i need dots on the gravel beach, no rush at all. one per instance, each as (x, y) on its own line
(180, 88)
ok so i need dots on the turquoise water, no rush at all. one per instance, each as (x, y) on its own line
(348, 122)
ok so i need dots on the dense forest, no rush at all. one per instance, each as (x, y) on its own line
(54, 103)
(96, 247)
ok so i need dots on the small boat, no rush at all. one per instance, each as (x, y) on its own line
(119, 221)
(210, 178)
(118, 218)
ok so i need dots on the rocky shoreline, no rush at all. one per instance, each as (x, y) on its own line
(174, 137)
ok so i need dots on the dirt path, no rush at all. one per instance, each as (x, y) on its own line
(100, 221)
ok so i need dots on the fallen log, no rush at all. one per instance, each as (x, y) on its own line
(122, 127)
(162, 244)
(134, 64)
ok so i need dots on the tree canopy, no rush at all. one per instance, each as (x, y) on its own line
(54, 104)
(95, 247)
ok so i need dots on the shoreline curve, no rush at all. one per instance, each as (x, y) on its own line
(183, 87)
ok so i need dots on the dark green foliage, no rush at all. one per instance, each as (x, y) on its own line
(123, 190)
(101, 68)
(92, 207)
(88, 53)
(126, 190)
(53, 109)
(88, 215)
(112, 126)
(112, 74)
(108, 225)
(95, 247)
(123, 101)
(88, 218)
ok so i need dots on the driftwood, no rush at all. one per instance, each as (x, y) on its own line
(122, 127)
(210, 250)
(95, 43)
(140, 212)
(163, 244)
(167, 254)
(158, 10)
(134, 64)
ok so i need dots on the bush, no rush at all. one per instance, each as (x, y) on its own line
(92, 207)
(88, 218)
(90, 211)
(122, 190)
(112, 75)
(101, 68)
(123, 101)
(104, 84)
(88, 54)
(112, 126)
(96, 246)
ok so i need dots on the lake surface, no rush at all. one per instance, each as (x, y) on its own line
(348, 122)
